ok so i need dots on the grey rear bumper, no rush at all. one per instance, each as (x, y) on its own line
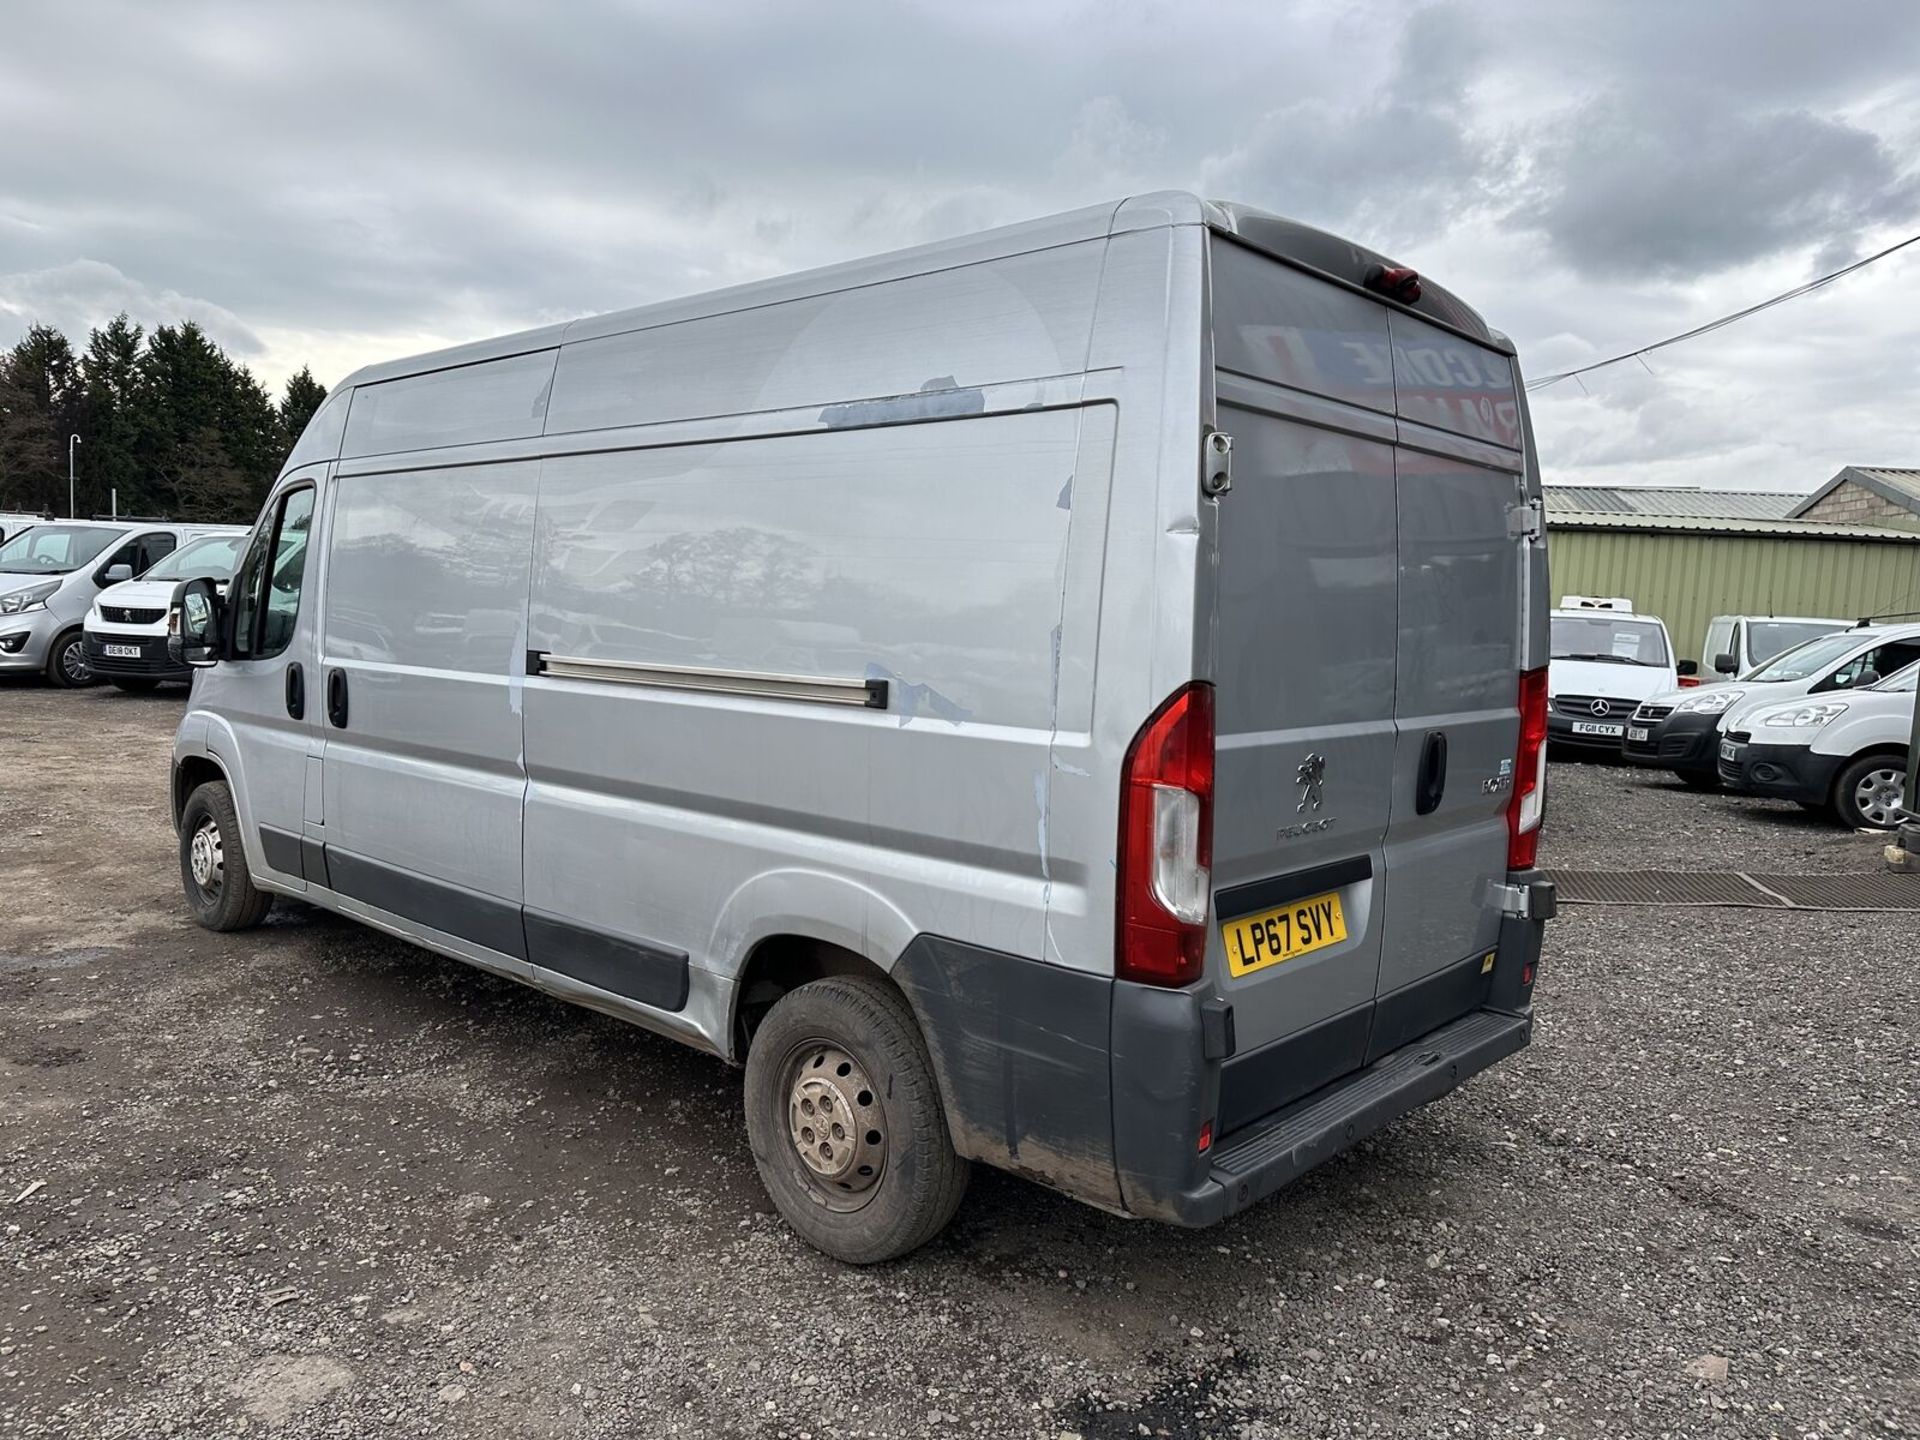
(1265, 1156)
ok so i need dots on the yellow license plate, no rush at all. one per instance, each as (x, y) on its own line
(1275, 936)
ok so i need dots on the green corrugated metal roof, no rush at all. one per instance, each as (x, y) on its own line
(1670, 500)
(1706, 525)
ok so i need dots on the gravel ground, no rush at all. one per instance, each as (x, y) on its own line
(313, 1180)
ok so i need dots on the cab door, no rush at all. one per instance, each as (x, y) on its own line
(261, 694)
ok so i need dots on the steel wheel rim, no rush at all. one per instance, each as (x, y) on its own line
(1878, 795)
(835, 1124)
(206, 857)
(73, 664)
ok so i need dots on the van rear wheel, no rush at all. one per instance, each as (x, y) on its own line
(213, 863)
(845, 1121)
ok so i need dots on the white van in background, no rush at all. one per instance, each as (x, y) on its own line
(12, 522)
(1606, 659)
(1736, 643)
(50, 576)
(126, 630)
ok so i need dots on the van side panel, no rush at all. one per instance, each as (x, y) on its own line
(927, 557)
(425, 593)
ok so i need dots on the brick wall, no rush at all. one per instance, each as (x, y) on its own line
(1852, 504)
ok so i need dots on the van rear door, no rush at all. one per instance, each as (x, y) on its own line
(1458, 470)
(1366, 637)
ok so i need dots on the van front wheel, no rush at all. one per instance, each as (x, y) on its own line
(213, 863)
(844, 1117)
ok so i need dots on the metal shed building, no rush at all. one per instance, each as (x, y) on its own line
(1688, 568)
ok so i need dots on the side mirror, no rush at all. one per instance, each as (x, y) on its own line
(1687, 667)
(193, 627)
(115, 574)
(1725, 663)
(1866, 677)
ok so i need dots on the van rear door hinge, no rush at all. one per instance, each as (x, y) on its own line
(1216, 463)
(1525, 520)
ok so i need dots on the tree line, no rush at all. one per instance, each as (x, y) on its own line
(168, 420)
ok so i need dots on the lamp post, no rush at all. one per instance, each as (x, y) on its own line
(73, 512)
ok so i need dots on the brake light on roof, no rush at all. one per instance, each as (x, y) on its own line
(1166, 843)
(1528, 805)
(1396, 281)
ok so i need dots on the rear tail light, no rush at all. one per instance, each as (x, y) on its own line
(1395, 280)
(1529, 801)
(1687, 682)
(1166, 843)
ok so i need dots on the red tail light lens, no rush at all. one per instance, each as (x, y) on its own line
(1687, 682)
(1528, 805)
(1166, 843)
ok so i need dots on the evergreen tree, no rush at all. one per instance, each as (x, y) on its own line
(111, 422)
(303, 397)
(39, 395)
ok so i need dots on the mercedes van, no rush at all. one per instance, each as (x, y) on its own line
(1070, 698)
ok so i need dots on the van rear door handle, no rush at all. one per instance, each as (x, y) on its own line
(337, 698)
(296, 692)
(1432, 783)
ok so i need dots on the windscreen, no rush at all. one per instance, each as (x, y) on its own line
(1768, 638)
(1803, 660)
(1903, 681)
(213, 557)
(1610, 640)
(54, 549)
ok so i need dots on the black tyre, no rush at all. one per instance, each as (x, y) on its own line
(134, 684)
(844, 1117)
(1867, 792)
(67, 664)
(213, 863)
(1699, 779)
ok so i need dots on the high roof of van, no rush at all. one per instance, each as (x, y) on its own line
(1342, 261)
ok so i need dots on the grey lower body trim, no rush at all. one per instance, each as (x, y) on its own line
(282, 851)
(652, 974)
(1022, 1053)
(449, 908)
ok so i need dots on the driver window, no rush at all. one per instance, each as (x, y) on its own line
(266, 590)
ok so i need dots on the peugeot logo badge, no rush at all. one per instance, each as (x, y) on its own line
(1309, 777)
(1601, 707)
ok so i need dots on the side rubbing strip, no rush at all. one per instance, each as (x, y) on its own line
(281, 850)
(652, 974)
(479, 918)
(816, 689)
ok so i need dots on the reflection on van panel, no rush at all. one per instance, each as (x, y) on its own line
(853, 676)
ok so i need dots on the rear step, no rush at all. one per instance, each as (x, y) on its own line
(1260, 1159)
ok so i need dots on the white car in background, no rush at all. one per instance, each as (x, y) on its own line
(126, 630)
(1846, 754)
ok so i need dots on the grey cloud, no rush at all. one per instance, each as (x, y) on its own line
(81, 294)
(1682, 185)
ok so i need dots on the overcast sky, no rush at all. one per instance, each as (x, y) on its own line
(336, 184)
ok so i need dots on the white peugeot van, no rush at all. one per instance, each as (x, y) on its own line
(126, 630)
(1071, 698)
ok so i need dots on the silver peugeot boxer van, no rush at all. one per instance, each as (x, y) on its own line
(1071, 697)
